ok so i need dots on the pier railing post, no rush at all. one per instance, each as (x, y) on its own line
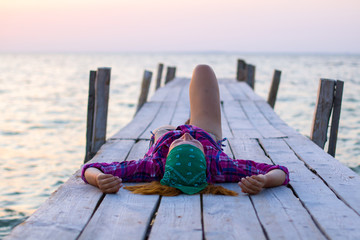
(274, 88)
(144, 89)
(250, 75)
(329, 100)
(170, 74)
(241, 70)
(101, 101)
(159, 75)
(339, 85)
(90, 116)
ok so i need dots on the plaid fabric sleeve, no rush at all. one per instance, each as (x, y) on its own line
(143, 170)
(226, 169)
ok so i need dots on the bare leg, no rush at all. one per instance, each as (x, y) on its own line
(205, 101)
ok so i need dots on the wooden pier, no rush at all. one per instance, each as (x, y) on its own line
(322, 200)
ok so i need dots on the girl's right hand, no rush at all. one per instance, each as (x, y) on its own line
(108, 183)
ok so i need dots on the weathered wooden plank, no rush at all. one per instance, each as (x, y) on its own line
(139, 150)
(140, 122)
(342, 180)
(332, 216)
(226, 132)
(67, 211)
(178, 218)
(227, 217)
(249, 92)
(279, 211)
(283, 216)
(239, 124)
(235, 89)
(230, 217)
(167, 110)
(225, 95)
(121, 216)
(182, 112)
(162, 118)
(114, 150)
(275, 120)
(322, 112)
(161, 93)
(259, 122)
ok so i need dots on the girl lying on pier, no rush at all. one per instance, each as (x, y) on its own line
(188, 158)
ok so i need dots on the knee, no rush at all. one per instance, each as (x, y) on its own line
(202, 69)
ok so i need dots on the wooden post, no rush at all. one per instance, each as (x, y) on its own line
(144, 89)
(241, 70)
(170, 74)
(102, 84)
(339, 85)
(274, 88)
(159, 75)
(90, 116)
(322, 112)
(250, 75)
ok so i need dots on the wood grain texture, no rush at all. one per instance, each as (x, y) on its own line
(342, 180)
(178, 217)
(236, 90)
(335, 120)
(249, 92)
(102, 85)
(275, 120)
(121, 216)
(239, 123)
(67, 211)
(279, 211)
(227, 217)
(139, 150)
(90, 116)
(334, 218)
(322, 112)
(163, 117)
(259, 122)
(182, 112)
(141, 121)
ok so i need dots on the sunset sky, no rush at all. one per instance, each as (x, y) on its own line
(330, 26)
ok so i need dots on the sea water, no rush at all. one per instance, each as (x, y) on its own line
(43, 103)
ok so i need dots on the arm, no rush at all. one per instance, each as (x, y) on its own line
(107, 183)
(254, 184)
(143, 170)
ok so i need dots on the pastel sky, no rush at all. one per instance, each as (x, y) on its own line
(185, 25)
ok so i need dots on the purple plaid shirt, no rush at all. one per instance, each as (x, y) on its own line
(220, 167)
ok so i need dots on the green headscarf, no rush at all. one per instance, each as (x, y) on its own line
(185, 169)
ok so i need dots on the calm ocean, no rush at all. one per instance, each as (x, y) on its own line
(43, 102)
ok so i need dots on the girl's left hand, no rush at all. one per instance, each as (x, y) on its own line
(253, 184)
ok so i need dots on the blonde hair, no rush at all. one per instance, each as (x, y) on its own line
(156, 187)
